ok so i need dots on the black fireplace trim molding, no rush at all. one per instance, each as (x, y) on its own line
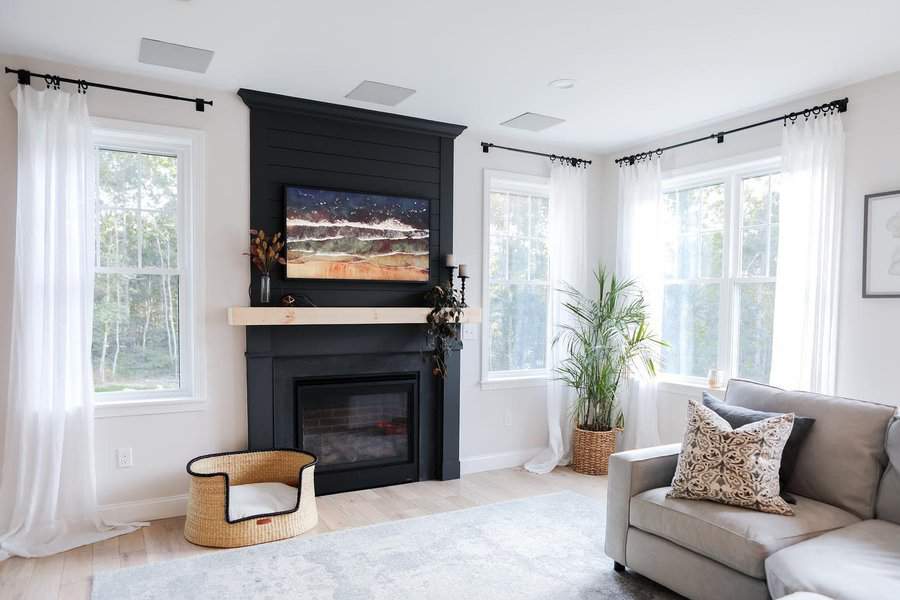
(281, 103)
(228, 481)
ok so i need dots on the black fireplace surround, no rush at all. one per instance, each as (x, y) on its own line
(362, 398)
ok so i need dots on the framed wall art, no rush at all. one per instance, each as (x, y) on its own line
(339, 234)
(881, 245)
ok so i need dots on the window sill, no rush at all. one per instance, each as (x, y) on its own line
(132, 408)
(508, 383)
(687, 386)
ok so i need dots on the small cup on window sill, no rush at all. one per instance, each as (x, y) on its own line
(716, 379)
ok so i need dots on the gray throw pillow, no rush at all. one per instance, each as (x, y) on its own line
(738, 416)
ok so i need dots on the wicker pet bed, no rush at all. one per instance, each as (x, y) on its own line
(208, 520)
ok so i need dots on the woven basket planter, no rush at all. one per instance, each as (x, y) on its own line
(207, 522)
(591, 450)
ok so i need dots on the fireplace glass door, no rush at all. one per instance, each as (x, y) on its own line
(357, 423)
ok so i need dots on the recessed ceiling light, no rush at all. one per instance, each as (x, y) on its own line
(380, 93)
(533, 122)
(562, 84)
(175, 56)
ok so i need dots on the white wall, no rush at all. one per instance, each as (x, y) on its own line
(868, 355)
(504, 427)
(499, 428)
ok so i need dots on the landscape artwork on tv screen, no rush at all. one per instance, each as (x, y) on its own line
(351, 235)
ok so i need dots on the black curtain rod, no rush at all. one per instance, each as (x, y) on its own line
(827, 108)
(53, 82)
(575, 162)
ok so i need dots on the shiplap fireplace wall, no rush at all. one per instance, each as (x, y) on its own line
(302, 142)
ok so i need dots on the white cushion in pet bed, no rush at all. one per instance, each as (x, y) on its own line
(253, 499)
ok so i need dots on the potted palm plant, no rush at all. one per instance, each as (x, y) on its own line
(607, 339)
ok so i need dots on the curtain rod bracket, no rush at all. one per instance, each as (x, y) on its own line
(24, 76)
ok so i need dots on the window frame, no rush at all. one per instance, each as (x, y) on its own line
(728, 172)
(188, 146)
(531, 185)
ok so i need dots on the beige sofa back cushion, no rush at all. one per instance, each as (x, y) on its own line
(888, 506)
(843, 458)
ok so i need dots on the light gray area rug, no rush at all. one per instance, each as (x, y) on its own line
(544, 547)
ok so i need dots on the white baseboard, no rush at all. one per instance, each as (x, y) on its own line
(145, 510)
(176, 506)
(500, 460)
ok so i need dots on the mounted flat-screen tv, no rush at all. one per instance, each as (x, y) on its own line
(336, 234)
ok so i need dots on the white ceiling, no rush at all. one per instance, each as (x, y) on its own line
(644, 67)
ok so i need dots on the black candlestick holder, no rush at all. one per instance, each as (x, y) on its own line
(451, 269)
(462, 279)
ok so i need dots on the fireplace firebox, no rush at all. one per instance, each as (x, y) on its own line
(362, 399)
(359, 422)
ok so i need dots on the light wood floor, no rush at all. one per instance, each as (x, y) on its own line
(68, 576)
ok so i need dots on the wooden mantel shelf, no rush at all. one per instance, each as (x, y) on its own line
(328, 315)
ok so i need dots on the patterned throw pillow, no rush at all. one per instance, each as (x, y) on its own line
(732, 466)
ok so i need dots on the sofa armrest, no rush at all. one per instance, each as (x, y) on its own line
(631, 473)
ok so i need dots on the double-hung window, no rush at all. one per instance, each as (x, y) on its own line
(720, 234)
(516, 277)
(146, 211)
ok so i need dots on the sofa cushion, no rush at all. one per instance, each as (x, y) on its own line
(888, 506)
(843, 456)
(733, 536)
(859, 562)
(738, 416)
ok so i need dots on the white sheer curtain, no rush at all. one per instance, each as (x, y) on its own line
(47, 492)
(639, 257)
(804, 337)
(568, 263)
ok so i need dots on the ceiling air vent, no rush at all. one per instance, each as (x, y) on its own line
(380, 93)
(533, 122)
(175, 56)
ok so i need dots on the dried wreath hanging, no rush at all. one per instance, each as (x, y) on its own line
(443, 324)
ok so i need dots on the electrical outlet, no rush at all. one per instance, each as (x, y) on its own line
(124, 458)
(469, 331)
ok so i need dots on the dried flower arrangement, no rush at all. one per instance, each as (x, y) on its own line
(264, 251)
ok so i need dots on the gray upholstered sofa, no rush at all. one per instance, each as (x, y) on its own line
(843, 542)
